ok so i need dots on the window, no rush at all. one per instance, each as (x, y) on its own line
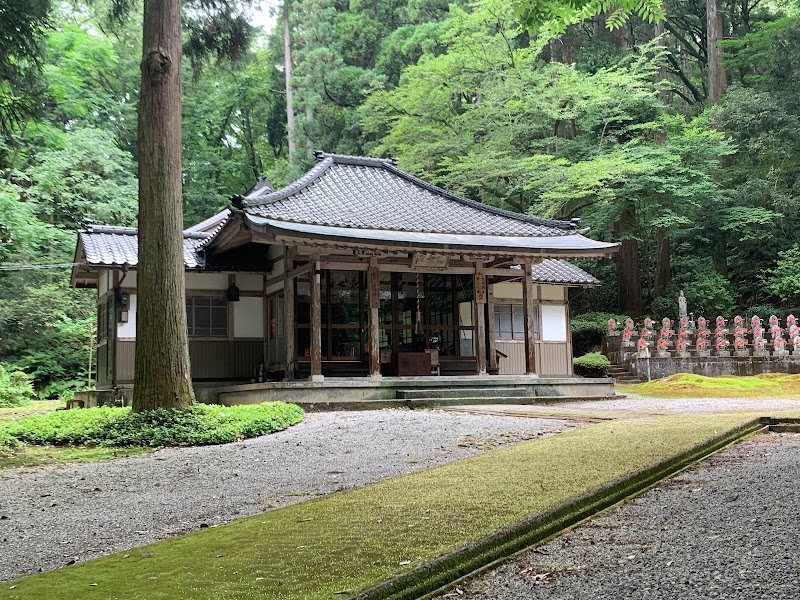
(509, 322)
(207, 317)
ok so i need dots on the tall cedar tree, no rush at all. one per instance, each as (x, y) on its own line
(162, 377)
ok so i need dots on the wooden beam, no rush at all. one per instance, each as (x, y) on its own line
(289, 321)
(491, 350)
(480, 318)
(373, 287)
(316, 321)
(289, 274)
(530, 315)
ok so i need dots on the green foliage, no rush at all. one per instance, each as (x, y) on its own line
(16, 388)
(707, 292)
(593, 364)
(765, 311)
(202, 424)
(588, 330)
(784, 279)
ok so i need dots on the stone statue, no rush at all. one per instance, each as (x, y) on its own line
(682, 306)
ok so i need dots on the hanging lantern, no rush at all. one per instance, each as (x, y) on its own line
(232, 293)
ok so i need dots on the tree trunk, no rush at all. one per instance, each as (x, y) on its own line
(287, 71)
(629, 283)
(717, 81)
(162, 377)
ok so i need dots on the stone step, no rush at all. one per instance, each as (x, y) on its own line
(543, 400)
(456, 392)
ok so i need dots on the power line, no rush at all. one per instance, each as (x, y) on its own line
(34, 267)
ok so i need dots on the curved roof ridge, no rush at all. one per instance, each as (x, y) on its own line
(298, 184)
(566, 225)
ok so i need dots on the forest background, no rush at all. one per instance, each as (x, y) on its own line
(610, 119)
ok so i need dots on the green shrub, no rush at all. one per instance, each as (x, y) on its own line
(765, 311)
(588, 330)
(202, 424)
(16, 388)
(593, 364)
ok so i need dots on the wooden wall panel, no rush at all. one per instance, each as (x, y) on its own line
(103, 380)
(126, 352)
(514, 361)
(554, 359)
(212, 359)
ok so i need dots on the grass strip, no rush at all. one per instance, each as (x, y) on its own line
(439, 574)
(34, 456)
(336, 546)
(9, 413)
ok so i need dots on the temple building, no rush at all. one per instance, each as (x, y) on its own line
(357, 271)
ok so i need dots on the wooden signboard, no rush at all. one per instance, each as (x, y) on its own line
(480, 288)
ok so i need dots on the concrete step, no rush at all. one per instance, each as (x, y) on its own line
(444, 402)
(458, 392)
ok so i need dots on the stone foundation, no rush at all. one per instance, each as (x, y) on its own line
(713, 366)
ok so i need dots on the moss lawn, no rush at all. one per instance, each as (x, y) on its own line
(337, 545)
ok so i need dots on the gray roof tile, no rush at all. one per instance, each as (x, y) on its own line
(552, 270)
(371, 193)
(115, 246)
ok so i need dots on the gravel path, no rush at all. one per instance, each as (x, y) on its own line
(51, 516)
(727, 529)
(632, 406)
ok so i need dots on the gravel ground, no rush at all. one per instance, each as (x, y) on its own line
(727, 529)
(52, 516)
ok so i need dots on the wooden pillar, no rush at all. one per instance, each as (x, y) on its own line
(373, 339)
(480, 318)
(530, 315)
(289, 321)
(492, 354)
(316, 320)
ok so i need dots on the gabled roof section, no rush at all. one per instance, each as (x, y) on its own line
(109, 246)
(210, 224)
(561, 272)
(373, 194)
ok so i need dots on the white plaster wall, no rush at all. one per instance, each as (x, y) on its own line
(275, 252)
(251, 282)
(130, 280)
(206, 281)
(553, 292)
(128, 330)
(248, 318)
(278, 269)
(554, 322)
(508, 290)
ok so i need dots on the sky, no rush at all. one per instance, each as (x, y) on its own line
(261, 17)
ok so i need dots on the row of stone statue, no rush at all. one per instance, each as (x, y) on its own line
(699, 336)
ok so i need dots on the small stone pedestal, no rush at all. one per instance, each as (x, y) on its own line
(628, 345)
(760, 352)
(745, 353)
(724, 353)
(796, 352)
(682, 354)
(780, 353)
(613, 333)
(703, 353)
(643, 353)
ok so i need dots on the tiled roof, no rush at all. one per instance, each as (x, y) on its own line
(552, 270)
(371, 193)
(115, 246)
